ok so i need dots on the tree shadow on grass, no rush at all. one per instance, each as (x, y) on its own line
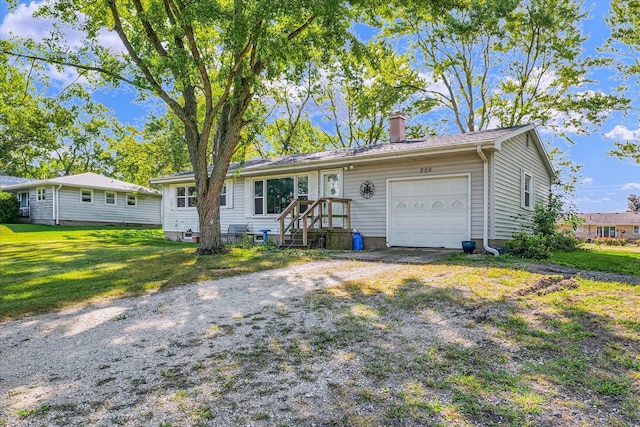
(421, 345)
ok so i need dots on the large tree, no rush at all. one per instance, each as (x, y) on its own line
(158, 149)
(633, 203)
(503, 62)
(46, 132)
(205, 59)
(624, 45)
(344, 102)
(21, 140)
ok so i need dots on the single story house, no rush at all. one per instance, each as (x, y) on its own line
(429, 192)
(615, 225)
(87, 199)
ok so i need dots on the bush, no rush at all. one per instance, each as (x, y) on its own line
(9, 208)
(544, 237)
(527, 245)
(609, 241)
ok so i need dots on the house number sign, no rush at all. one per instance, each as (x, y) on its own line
(425, 170)
(367, 189)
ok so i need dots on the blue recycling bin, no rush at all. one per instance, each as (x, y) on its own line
(357, 241)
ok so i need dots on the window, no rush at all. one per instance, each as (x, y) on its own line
(186, 197)
(42, 194)
(272, 196)
(223, 195)
(86, 196)
(606, 231)
(110, 198)
(636, 229)
(132, 200)
(580, 228)
(527, 191)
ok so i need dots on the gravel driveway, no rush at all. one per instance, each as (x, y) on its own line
(328, 342)
(97, 363)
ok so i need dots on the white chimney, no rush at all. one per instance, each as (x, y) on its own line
(396, 127)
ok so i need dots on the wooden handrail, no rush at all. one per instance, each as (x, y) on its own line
(294, 210)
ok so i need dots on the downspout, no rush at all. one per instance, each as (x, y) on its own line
(56, 203)
(485, 203)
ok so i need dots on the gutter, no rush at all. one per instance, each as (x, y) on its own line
(333, 162)
(56, 204)
(485, 203)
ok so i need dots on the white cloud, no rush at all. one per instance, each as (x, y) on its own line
(66, 76)
(622, 133)
(589, 200)
(587, 181)
(22, 23)
(431, 85)
(631, 186)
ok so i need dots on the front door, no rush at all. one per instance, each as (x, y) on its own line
(24, 203)
(332, 188)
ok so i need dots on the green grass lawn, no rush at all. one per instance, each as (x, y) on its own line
(467, 341)
(46, 268)
(619, 259)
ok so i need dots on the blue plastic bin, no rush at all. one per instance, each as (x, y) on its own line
(357, 241)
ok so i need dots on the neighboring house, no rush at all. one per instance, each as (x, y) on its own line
(431, 192)
(22, 196)
(615, 225)
(87, 199)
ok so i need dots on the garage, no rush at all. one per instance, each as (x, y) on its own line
(428, 212)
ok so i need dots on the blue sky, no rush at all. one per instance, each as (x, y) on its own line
(605, 182)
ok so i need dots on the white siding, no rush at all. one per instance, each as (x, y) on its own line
(147, 210)
(177, 219)
(41, 211)
(369, 216)
(509, 163)
(182, 219)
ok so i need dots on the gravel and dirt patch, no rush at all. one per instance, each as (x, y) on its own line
(330, 342)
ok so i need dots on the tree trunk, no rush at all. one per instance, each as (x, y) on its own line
(209, 218)
(209, 187)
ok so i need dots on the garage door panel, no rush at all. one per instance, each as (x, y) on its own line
(430, 212)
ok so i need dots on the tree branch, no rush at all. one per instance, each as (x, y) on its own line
(70, 64)
(151, 34)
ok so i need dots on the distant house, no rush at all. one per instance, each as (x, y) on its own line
(86, 199)
(615, 225)
(428, 192)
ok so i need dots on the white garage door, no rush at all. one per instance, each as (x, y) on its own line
(430, 212)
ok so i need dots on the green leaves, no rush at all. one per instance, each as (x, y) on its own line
(624, 46)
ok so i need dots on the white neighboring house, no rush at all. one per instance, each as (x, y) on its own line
(87, 199)
(430, 192)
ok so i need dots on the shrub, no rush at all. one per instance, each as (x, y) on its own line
(544, 237)
(527, 245)
(9, 208)
(610, 241)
